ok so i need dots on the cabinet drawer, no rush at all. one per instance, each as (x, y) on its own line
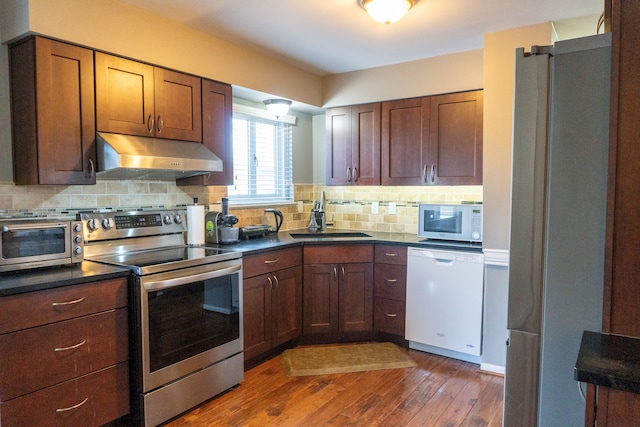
(389, 316)
(338, 254)
(38, 308)
(106, 393)
(268, 262)
(61, 351)
(391, 254)
(391, 282)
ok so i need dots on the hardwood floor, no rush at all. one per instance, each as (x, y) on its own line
(438, 392)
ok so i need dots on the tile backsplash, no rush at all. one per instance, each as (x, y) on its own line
(348, 207)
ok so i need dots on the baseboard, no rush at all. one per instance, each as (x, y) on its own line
(492, 369)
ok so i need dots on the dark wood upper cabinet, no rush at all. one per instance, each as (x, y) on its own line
(52, 113)
(455, 143)
(139, 99)
(434, 140)
(405, 141)
(353, 145)
(217, 132)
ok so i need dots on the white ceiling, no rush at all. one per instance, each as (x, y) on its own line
(335, 36)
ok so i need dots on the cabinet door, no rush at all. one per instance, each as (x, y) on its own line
(320, 298)
(53, 122)
(217, 132)
(178, 110)
(286, 305)
(455, 145)
(217, 128)
(404, 141)
(124, 96)
(339, 162)
(356, 297)
(256, 315)
(365, 144)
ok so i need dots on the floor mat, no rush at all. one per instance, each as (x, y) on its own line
(333, 359)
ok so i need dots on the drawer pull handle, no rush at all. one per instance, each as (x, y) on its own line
(390, 254)
(80, 344)
(75, 301)
(272, 261)
(391, 315)
(391, 280)
(71, 408)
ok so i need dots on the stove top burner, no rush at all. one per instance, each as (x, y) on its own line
(146, 242)
(165, 259)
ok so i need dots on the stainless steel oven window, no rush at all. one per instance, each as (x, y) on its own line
(190, 318)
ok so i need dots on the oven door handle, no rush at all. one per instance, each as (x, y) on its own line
(10, 228)
(184, 280)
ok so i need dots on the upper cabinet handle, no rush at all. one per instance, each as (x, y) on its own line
(355, 174)
(92, 168)
(424, 173)
(348, 174)
(433, 173)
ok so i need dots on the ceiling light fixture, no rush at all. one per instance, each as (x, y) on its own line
(277, 107)
(387, 11)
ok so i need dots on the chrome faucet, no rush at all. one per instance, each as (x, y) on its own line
(317, 220)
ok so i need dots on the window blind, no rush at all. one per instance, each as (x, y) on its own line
(262, 160)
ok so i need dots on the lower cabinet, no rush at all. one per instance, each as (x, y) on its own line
(338, 289)
(64, 355)
(272, 300)
(390, 289)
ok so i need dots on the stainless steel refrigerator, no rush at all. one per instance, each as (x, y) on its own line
(556, 267)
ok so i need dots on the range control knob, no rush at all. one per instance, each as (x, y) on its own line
(106, 224)
(178, 218)
(92, 224)
(77, 239)
(77, 250)
(167, 219)
(77, 227)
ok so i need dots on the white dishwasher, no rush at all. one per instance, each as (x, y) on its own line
(444, 302)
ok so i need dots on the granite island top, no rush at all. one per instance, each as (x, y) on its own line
(46, 278)
(609, 360)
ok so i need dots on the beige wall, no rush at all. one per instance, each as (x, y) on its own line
(442, 74)
(499, 63)
(121, 29)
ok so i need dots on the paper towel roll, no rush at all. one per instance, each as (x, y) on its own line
(195, 225)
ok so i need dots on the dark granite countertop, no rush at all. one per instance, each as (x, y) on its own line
(34, 280)
(609, 360)
(283, 238)
(46, 278)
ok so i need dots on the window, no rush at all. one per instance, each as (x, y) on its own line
(262, 160)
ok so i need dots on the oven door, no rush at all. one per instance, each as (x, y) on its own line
(190, 318)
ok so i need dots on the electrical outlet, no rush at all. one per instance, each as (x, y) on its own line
(374, 208)
(392, 208)
(300, 206)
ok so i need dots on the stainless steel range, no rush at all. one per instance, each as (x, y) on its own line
(186, 309)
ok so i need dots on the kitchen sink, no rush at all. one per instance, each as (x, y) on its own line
(329, 235)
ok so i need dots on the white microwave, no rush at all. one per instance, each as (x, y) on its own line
(450, 222)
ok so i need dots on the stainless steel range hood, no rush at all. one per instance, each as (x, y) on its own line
(137, 157)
